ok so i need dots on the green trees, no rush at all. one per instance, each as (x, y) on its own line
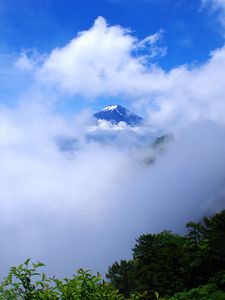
(161, 252)
(157, 265)
(206, 248)
(214, 235)
(169, 263)
(121, 276)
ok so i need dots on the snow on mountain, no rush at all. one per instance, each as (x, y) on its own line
(116, 113)
(110, 107)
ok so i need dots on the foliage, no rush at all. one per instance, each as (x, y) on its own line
(121, 276)
(161, 252)
(169, 263)
(26, 283)
(205, 292)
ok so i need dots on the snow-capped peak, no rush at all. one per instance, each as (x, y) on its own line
(116, 113)
(110, 107)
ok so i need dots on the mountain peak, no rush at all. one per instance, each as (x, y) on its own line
(110, 107)
(116, 113)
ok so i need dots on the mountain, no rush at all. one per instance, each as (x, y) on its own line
(117, 113)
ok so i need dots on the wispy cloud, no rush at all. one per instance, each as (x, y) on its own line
(216, 6)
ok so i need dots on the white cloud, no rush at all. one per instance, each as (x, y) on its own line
(89, 63)
(99, 62)
(29, 60)
(193, 94)
(153, 45)
(56, 206)
(24, 63)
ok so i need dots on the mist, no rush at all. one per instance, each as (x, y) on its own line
(85, 206)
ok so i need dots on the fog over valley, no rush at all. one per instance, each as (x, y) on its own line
(77, 188)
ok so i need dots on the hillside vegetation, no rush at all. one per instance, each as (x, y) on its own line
(164, 266)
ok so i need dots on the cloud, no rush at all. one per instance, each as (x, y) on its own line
(91, 61)
(216, 6)
(85, 207)
(193, 94)
(152, 42)
(29, 60)
(54, 204)
(109, 61)
(100, 62)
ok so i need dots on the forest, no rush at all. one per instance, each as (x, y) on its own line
(164, 266)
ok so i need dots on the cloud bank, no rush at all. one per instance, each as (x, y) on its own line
(86, 207)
